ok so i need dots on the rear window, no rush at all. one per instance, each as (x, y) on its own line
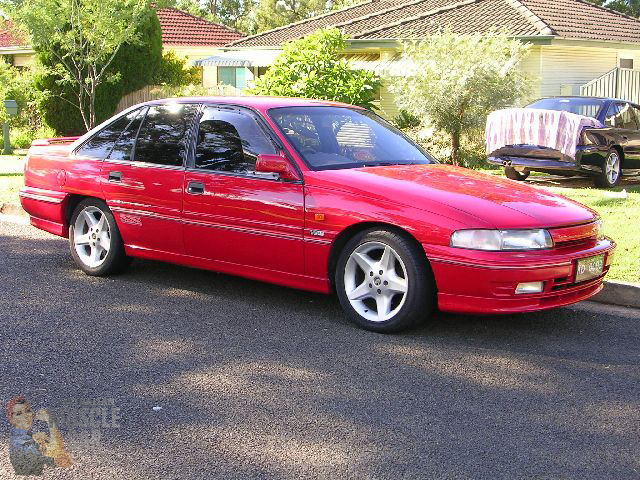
(101, 143)
(587, 107)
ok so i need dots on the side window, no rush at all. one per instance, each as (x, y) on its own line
(100, 144)
(626, 118)
(610, 117)
(124, 146)
(163, 136)
(230, 141)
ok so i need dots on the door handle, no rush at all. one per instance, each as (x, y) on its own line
(625, 138)
(115, 176)
(195, 188)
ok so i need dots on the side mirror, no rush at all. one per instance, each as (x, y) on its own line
(276, 164)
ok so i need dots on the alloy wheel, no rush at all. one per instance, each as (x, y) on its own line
(376, 281)
(92, 237)
(613, 167)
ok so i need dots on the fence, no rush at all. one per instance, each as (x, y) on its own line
(622, 83)
(152, 92)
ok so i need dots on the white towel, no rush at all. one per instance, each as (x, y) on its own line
(554, 129)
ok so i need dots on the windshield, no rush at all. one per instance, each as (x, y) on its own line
(587, 107)
(339, 137)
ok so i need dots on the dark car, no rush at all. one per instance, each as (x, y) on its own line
(603, 153)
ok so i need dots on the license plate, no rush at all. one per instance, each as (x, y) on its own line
(589, 268)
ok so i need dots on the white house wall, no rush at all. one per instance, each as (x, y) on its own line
(564, 69)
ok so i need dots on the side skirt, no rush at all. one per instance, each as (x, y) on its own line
(301, 282)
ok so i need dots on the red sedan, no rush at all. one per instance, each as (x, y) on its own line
(313, 195)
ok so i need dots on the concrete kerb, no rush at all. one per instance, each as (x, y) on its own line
(622, 294)
(617, 293)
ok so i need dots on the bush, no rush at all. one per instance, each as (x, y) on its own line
(174, 72)
(406, 120)
(312, 68)
(456, 90)
(22, 137)
(438, 144)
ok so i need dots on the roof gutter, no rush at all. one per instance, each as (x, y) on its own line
(15, 50)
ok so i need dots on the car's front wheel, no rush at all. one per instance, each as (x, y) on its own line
(94, 239)
(611, 170)
(514, 174)
(384, 282)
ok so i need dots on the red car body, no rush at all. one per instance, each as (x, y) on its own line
(290, 233)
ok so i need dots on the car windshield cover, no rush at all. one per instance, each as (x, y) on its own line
(587, 107)
(331, 138)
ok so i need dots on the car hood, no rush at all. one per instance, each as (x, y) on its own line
(483, 200)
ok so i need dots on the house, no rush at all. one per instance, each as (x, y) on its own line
(573, 42)
(190, 37)
(193, 38)
(12, 46)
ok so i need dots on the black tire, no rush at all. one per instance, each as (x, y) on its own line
(602, 180)
(420, 301)
(514, 174)
(115, 260)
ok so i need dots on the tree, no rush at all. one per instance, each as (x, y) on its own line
(630, 7)
(453, 82)
(276, 13)
(83, 38)
(134, 66)
(312, 68)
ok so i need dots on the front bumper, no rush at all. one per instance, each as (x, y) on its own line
(485, 282)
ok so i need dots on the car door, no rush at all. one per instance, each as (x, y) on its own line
(622, 118)
(233, 214)
(143, 175)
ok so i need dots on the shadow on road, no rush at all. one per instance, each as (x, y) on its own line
(260, 380)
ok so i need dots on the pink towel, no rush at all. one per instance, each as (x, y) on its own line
(532, 126)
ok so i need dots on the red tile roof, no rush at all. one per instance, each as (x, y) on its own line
(402, 19)
(181, 28)
(9, 38)
(178, 28)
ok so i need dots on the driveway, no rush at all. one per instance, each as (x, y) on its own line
(258, 381)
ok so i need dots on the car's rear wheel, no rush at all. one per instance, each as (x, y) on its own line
(94, 239)
(384, 282)
(514, 174)
(611, 170)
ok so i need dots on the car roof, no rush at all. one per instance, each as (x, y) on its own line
(259, 102)
(580, 97)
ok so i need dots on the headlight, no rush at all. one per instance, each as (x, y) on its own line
(495, 240)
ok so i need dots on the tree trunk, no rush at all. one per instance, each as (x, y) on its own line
(455, 146)
(92, 107)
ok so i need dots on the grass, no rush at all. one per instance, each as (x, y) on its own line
(621, 222)
(10, 183)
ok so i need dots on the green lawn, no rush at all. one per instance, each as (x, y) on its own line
(10, 183)
(621, 222)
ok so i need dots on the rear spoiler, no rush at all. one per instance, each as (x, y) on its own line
(53, 141)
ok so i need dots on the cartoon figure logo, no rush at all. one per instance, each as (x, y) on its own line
(30, 452)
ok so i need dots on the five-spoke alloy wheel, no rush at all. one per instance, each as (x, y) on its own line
(611, 170)
(384, 281)
(95, 242)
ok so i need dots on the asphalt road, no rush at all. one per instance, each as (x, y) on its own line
(258, 381)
